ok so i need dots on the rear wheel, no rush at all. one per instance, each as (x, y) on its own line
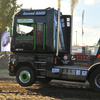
(94, 80)
(25, 76)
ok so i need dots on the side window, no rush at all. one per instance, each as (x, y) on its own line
(68, 22)
(39, 33)
(39, 36)
(25, 27)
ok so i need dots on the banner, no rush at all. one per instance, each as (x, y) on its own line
(83, 17)
(82, 31)
(5, 41)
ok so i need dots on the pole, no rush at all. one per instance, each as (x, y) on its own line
(82, 25)
(82, 40)
(76, 38)
(58, 28)
(4, 53)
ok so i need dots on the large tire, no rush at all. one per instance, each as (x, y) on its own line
(45, 80)
(94, 80)
(25, 76)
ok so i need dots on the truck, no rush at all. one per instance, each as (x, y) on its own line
(34, 47)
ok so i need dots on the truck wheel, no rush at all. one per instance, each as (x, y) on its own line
(25, 76)
(45, 80)
(94, 80)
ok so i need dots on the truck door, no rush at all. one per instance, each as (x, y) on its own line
(24, 34)
(40, 34)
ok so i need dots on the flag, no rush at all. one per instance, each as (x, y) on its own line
(83, 17)
(82, 31)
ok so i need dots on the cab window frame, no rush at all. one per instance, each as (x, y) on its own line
(20, 18)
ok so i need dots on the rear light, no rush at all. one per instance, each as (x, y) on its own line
(11, 66)
(55, 61)
(13, 56)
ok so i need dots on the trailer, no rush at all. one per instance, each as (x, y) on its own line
(34, 46)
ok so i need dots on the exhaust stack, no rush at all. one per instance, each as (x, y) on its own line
(58, 28)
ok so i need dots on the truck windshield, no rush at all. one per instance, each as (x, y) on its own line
(25, 27)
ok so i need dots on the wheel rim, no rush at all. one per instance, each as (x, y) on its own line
(24, 76)
(97, 81)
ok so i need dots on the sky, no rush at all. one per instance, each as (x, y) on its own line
(91, 26)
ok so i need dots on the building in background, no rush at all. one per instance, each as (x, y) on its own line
(84, 50)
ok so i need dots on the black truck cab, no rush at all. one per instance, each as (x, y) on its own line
(35, 31)
(34, 45)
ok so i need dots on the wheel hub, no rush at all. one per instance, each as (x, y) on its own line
(97, 81)
(24, 76)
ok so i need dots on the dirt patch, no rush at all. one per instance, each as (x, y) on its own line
(55, 90)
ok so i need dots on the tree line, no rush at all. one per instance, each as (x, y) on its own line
(7, 9)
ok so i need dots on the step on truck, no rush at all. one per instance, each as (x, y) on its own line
(34, 46)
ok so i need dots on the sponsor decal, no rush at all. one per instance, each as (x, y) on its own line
(80, 58)
(35, 13)
(28, 13)
(78, 72)
(84, 73)
(24, 20)
(74, 72)
(19, 49)
(83, 57)
(69, 71)
(65, 57)
(65, 61)
(54, 70)
(73, 58)
(98, 57)
(81, 63)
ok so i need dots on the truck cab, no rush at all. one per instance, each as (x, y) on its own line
(35, 31)
(34, 45)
